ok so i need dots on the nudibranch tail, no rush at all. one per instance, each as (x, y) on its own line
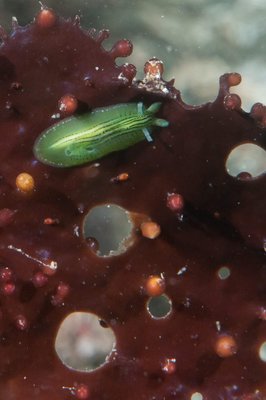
(88, 137)
(162, 123)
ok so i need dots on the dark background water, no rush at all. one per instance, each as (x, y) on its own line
(198, 40)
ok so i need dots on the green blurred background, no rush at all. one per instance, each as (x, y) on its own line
(198, 40)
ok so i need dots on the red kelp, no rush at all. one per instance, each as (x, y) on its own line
(198, 237)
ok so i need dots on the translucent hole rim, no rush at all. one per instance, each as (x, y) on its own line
(124, 242)
(243, 154)
(156, 303)
(102, 352)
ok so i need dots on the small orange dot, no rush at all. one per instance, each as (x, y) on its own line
(82, 392)
(175, 202)
(39, 279)
(155, 285)
(46, 18)
(123, 48)
(8, 288)
(150, 230)
(51, 221)
(50, 268)
(25, 182)
(68, 104)
(232, 101)
(225, 346)
(120, 178)
(5, 274)
(234, 79)
(154, 67)
(169, 366)
(63, 289)
(123, 177)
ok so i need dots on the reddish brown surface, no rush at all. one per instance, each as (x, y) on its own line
(222, 223)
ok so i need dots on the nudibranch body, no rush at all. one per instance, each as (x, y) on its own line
(84, 138)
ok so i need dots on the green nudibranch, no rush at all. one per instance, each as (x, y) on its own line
(88, 137)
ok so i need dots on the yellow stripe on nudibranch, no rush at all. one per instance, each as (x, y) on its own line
(88, 137)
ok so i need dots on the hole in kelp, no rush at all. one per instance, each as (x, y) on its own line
(223, 273)
(159, 307)
(196, 396)
(110, 227)
(82, 343)
(247, 159)
(262, 352)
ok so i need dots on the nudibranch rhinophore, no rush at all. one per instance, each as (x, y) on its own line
(180, 292)
(88, 137)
